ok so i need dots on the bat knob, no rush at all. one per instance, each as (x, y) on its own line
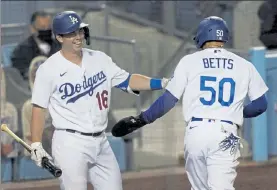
(47, 164)
(58, 173)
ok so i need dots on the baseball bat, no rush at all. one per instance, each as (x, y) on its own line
(46, 163)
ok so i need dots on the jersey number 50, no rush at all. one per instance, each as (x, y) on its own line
(211, 101)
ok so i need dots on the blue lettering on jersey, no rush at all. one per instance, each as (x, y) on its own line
(79, 90)
(213, 63)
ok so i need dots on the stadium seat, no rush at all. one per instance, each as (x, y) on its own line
(6, 169)
(118, 147)
(6, 54)
(29, 171)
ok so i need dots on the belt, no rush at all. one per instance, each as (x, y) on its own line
(85, 134)
(201, 119)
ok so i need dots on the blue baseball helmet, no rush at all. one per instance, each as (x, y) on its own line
(212, 28)
(67, 22)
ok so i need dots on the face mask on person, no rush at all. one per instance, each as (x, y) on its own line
(45, 35)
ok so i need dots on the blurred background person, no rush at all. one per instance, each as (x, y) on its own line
(26, 114)
(39, 43)
(268, 27)
(8, 116)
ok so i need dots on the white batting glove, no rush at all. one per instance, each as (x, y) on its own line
(164, 82)
(38, 153)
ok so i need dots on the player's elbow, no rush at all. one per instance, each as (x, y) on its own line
(261, 110)
(255, 108)
(263, 106)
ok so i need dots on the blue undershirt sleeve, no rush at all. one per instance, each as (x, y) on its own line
(160, 107)
(255, 108)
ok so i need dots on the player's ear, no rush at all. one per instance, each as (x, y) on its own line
(59, 38)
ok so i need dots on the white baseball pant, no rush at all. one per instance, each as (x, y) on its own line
(84, 159)
(211, 154)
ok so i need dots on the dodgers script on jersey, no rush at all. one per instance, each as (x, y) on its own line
(208, 82)
(78, 97)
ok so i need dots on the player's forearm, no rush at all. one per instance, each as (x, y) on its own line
(140, 82)
(160, 107)
(37, 123)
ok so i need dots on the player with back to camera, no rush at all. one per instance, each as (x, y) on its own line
(214, 84)
(75, 85)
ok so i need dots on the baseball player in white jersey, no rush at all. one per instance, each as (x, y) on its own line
(213, 84)
(75, 85)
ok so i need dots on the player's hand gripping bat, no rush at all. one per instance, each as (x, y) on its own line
(46, 163)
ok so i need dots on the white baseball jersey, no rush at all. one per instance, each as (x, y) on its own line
(78, 97)
(214, 83)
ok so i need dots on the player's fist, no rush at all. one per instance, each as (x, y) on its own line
(164, 82)
(127, 125)
(37, 153)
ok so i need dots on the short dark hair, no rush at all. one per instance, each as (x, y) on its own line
(37, 14)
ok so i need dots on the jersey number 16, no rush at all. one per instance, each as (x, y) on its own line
(102, 99)
(217, 93)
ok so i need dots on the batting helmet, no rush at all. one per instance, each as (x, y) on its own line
(67, 22)
(212, 28)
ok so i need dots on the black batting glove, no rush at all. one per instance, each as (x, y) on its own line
(127, 125)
